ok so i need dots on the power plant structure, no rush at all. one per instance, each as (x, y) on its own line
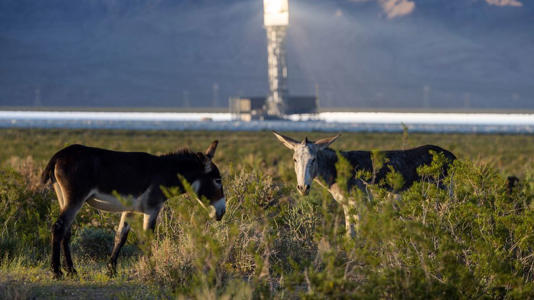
(278, 102)
(276, 20)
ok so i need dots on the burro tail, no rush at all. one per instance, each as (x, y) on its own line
(48, 172)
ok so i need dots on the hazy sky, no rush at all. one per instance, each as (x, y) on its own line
(352, 53)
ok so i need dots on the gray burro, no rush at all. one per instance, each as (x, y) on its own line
(315, 161)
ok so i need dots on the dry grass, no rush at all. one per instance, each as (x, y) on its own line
(273, 243)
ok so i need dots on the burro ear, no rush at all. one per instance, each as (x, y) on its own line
(211, 149)
(324, 143)
(287, 141)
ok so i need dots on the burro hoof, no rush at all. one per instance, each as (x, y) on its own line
(112, 270)
(72, 272)
(58, 275)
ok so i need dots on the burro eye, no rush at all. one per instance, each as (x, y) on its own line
(294, 159)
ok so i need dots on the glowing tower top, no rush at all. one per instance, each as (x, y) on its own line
(275, 13)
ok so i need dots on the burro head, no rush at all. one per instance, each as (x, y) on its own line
(305, 158)
(209, 183)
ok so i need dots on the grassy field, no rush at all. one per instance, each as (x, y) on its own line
(273, 243)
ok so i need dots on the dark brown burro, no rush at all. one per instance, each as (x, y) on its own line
(125, 182)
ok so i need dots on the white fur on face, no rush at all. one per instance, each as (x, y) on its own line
(220, 206)
(305, 164)
(196, 186)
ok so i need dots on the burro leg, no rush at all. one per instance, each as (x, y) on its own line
(120, 239)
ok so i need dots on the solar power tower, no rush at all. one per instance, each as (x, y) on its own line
(276, 20)
(277, 104)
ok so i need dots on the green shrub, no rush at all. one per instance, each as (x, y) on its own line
(25, 217)
(474, 244)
